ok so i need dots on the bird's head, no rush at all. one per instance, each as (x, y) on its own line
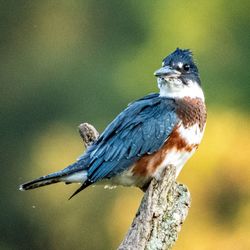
(179, 77)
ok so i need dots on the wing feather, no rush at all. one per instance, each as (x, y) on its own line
(140, 129)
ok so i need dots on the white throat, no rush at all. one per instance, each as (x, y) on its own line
(174, 88)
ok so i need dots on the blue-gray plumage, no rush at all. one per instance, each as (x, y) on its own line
(140, 129)
(147, 135)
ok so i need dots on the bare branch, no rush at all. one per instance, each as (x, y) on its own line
(88, 133)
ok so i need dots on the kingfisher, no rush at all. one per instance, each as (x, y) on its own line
(153, 132)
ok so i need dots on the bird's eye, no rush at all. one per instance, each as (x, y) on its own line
(186, 67)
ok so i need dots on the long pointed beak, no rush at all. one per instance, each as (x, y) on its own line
(166, 71)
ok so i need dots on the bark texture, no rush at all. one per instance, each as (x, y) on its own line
(162, 212)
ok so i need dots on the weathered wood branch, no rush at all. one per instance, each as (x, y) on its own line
(162, 212)
(158, 221)
(88, 133)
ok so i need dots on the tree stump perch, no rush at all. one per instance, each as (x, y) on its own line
(162, 211)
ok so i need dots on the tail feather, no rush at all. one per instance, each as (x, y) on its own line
(74, 173)
(41, 181)
(66, 175)
(83, 186)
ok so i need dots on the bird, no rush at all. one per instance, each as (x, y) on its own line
(158, 130)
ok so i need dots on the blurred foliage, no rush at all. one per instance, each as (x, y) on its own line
(65, 62)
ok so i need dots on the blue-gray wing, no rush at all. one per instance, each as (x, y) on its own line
(142, 128)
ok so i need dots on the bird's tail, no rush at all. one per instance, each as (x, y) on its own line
(42, 181)
(67, 175)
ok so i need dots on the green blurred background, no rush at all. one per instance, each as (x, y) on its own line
(66, 62)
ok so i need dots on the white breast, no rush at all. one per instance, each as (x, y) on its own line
(192, 135)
